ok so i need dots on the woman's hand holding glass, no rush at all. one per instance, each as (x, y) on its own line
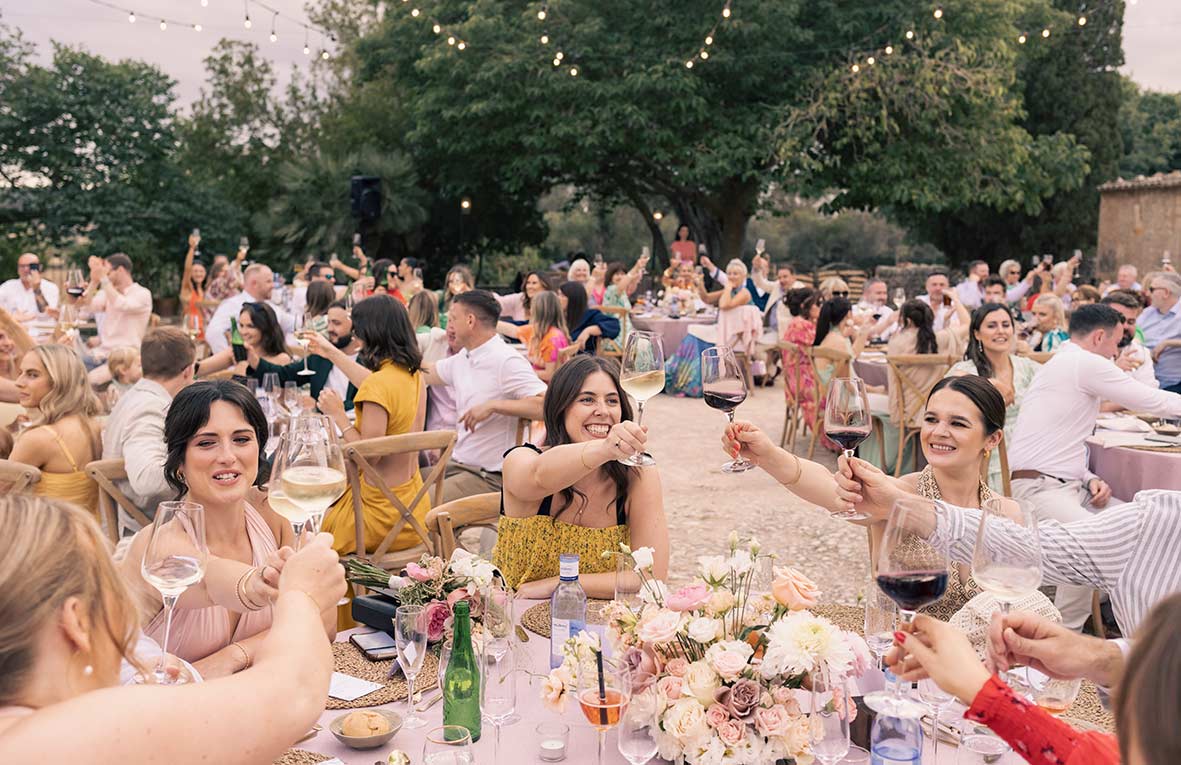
(745, 440)
(865, 487)
(625, 439)
(316, 571)
(939, 651)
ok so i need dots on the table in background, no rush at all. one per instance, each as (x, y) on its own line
(671, 331)
(1127, 470)
(872, 368)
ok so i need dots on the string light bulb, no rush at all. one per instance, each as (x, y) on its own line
(541, 15)
(938, 13)
(274, 37)
(1082, 21)
(324, 55)
(726, 12)
(306, 49)
(461, 45)
(163, 25)
(856, 69)
(436, 29)
(545, 39)
(196, 27)
(704, 55)
(709, 40)
(688, 64)
(450, 40)
(204, 3)
(560, 55)
(889, 49)
(414, 12)
(910, 34)
(131, 17)
(247, 23)
(1045, 33)
(573, 71)
(1021, 38)
(557, 62)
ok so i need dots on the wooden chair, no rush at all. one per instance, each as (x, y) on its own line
(1003, 456)
(524, 425)
(839, 359)
(609, 346)
(357, 461)
(17, 477)
(793, 361)
(914, 398)
(111, 499)
(447, 521)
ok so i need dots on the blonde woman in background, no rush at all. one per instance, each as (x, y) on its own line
(63, 435)
(1048, 330)
(424, 317)
(834, 286)
(65, 631)
(545, 336)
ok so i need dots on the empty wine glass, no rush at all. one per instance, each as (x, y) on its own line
(636, 743)
(981, 749)
(291, 398)
(448, 745)
(193, 325)
(723, 386)
(937, 700)
(1007, 561)
(848, 421)
(603, 695)
(174, 560)
(828, 723)
(271, 386)
(881, 620)
(641, 376)
(499, 688)
(410, 632)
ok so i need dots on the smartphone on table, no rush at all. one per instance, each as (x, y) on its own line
(377, 646)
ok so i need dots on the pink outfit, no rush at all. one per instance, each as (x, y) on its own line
(739, 328)
(126, 317)
(199, 632)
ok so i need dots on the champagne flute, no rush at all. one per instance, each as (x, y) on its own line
(448, 745)
(270, 384)
(410, 639)
(291, 398)
(723, 387)
(295, 514)
(499, 688)
(847, 421)
(301, 335)
(828, 723)
(193, 326)
(636, 743)
(174, 560)
(603, 696)
(642, 377)
(913, 573)
(1007, 562)
(313, 475)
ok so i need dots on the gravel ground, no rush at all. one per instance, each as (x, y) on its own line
(704, 505)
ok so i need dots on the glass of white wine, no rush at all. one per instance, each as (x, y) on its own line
(301, 335)
(642, 377)
(312, 473)
(295, 514)
(1007, 562)
(174, 560)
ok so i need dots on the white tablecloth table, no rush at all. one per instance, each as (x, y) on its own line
(672, 331)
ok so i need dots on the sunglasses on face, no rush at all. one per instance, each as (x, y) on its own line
(840, 293)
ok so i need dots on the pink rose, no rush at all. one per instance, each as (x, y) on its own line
(794, 590)
(641, 665)
(783, 696)
(436, 615)
(659, 627)
(669, 687)
(471, 595)
(418, 573)
(716, 715)
(772, 722)
(740, 699)
(728, 664)
(731, 732)
(689, 598)
(676, 667)
(850, 706)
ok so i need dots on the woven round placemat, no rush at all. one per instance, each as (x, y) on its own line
(301, 757)
(348, 659)
(848, 618)
(536, 618)
(1145, 448)
(1088, 709)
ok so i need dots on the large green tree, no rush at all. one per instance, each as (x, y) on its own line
(1151, 126)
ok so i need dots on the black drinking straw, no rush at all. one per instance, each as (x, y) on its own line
(602, 689)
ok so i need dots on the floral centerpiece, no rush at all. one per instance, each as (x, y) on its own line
(725, 660)
(434, 583)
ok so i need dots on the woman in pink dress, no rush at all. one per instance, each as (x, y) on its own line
(214, 432)
(804, 305)
(684, 249)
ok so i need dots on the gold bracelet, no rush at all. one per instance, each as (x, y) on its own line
(799, 473)
(240, 591)
(582, 455)
(307, 595)
(245, 655)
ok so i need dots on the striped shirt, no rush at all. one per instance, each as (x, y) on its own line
(1131, 551)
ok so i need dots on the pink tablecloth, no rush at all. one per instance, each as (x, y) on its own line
(671, 331)
(1127, 471)
(873, 370)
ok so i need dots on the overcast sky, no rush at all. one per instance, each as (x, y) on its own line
(1152, 29)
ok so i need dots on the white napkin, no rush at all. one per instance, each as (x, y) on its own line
(347, 688)
(1125, 425)
(1110, 438)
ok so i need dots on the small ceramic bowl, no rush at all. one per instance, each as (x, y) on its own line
(367, 742)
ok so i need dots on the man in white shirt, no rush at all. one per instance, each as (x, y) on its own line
(1125, 279)
(873, 308)
(134, 431)
(317, 272)
(971, 289)
(1048, 455)
(29, 296)
(937, 285)
(258, 282)
(1133, 357)
(125, 307)
(494, 385)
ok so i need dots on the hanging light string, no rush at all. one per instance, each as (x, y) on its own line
(545, 38)
(453, 38)
(703, 53)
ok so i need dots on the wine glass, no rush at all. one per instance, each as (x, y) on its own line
(828, 723)
(642, 377)
(847, 420)
(881, 619)
(410, 638)
(603, 696)
(75, 283)
(313, 474)
(499, 688)
(295, 514)
(1007, 562)
(1056, 695)
(174, 560)
(193, 325)
(937, 700)
(271, 386)
(636, 743)
(448, 745)
(498, 612)
(913, 573)
(627, 584)
(981, 749)
(301, 335)
(723, 386)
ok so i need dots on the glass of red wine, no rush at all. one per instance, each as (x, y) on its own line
(723, 387)
(912, 571)
(848, 421)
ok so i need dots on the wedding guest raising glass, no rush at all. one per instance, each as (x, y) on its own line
(603, 695)
(828, 723)
(410, 631)
(848, 421)
(174, 560)
(642, 377)
(1007, 562)
(499, 688)
(448, 745)
(723, 386)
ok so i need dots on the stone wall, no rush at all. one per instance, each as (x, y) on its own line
(1138, 222)
(911, 277)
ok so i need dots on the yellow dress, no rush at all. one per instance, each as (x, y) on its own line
(397, 391)
(527, 549)
(75, 487)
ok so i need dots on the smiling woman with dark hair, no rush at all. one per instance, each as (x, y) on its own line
(573, 496)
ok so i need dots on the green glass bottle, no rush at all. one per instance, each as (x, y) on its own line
(236, 343)
(461, 682)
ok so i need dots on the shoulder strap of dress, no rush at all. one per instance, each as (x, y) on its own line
(544, 507)
(65, 450)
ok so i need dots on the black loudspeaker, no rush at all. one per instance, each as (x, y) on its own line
(365, 191)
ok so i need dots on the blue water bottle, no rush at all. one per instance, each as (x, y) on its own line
(896, 741)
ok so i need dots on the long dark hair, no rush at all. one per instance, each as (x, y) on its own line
(563, 391)
(382, 325)
(576, 304)
(320, 296)
(797, 298)
(832, 313)
(263, 317)
(986, 398)
(189, 413)
(922, 318)
(975, 352)
(381, 271)
(526, 301)
(1146, 699)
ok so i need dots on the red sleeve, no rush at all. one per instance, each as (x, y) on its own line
(1034, 733)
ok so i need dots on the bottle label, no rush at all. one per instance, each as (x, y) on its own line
(559, 631)
(568, 568)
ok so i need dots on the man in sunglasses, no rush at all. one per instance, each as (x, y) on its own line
(1161, 326)
(29, 296)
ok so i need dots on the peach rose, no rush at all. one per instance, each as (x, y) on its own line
(716, 715)
(731, 732)
(669, 687)
(659, 627)
(688, 598)
(774, 721)
(794, 590)
(676, 666)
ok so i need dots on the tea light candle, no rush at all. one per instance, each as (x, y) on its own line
(552, 738)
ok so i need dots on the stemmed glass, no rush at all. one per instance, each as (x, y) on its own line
(828, 723)
(75, 283)
(913, 573)
(174, 560)
(410, 632)
(295, 514)
(291, 397)
(193, 326)
(1007, 562)
(499, 687)
(847, 420)
(636, 743)
(313, 472)
(603, 696)
(642, 377)
(448, 745)
(627, 584)
(301, 330)
(270, 384)
(937, 700)
(881, 619)
(723, 386)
